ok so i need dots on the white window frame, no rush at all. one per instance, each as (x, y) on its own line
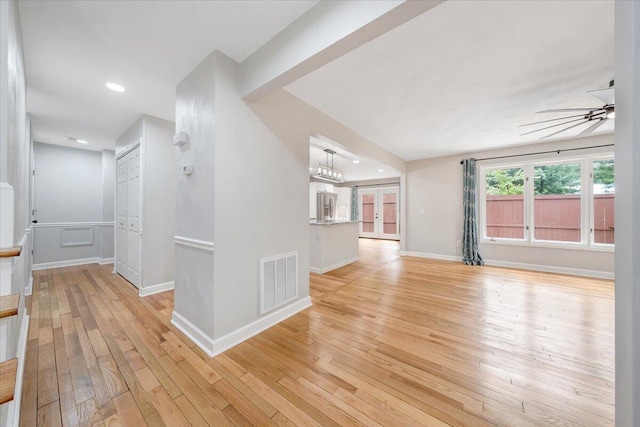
(592, 235)
(586, 194)
(482, 198)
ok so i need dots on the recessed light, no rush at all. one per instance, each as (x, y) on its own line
(310, 169)
(115, 87)
(356, 161)
(380, 170)
(81, 141)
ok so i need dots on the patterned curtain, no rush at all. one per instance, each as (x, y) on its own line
(470, 254)
(354, 203)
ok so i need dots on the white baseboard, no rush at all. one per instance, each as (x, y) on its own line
(214, 347)
(519, 265)
(552, 269)
(332, 267)
(154, 289)
(103, 261)
(67, 263)
(29, 289)
(432, 256)
(194, 333)
(13, 419)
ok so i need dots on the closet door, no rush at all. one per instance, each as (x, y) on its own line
(121, 218)
(133, 217)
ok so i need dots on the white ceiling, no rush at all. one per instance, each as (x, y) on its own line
(367, 169)
(72, 48)
(464, 75)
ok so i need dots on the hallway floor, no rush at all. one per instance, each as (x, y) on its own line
(389, 341)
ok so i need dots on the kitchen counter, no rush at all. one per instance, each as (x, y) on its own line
(332, 247)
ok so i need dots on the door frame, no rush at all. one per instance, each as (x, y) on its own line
(378, 224)
(136, 143)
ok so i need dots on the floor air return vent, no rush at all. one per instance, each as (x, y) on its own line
(278, 281)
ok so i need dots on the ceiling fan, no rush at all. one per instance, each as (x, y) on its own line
(596, 116)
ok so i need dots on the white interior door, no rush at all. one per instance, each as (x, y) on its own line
(121, 217)
(388, 210)
(378, 212)
(133, 217)
(367, 213)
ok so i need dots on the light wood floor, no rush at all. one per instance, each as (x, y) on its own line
(389, 341)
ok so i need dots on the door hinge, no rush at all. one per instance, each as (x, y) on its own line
(31, 251)
(33, 172)
(527, 179)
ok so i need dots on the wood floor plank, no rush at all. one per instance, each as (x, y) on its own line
(389, 340)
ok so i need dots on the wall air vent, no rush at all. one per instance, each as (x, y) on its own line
(278, 281)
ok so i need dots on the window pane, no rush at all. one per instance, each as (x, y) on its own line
(368, 215)
(557, 206)
(505, 203)
(604, 191)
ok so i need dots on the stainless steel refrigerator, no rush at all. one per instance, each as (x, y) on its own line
(327, 207)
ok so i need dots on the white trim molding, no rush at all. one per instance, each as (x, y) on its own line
(551, 269)
(13, 414)
(194, 243)
(519, 265)
(73, 224)
(214, 347)
(103, 261)
(332, 267)
(66, 263)
(154, 289)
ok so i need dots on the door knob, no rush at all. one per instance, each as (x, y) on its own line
(35, 221)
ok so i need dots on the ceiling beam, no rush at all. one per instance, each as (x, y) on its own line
(326, 32)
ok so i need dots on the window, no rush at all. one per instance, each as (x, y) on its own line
(557, 202)
(568, 202)
(604, 191)
(505, 203)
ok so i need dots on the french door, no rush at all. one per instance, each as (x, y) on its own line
(378, 213)
(128, 217)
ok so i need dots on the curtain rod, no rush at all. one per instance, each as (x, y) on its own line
(542, 152)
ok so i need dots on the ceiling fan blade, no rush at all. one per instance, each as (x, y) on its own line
(568, 110)
(593, 127)
(607, 95)
(565, 129)
(552, 126)
(560, 118)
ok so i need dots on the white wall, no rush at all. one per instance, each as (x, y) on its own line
(261, 211)
(158, 208)
(195, 214)
(108, 203)
(74, 205)
(627, 55)
(435, 186)
(15, 145)
(233, 198)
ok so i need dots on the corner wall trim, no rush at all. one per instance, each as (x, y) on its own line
(154, 289)
(519, 265)
(214, 347)
(332, 267)
(201, 339)
(103, 261)
(29, 289)
(194, 243)
(67, 263)
(13, 418)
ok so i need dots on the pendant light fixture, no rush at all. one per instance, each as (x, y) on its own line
(328, 173)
